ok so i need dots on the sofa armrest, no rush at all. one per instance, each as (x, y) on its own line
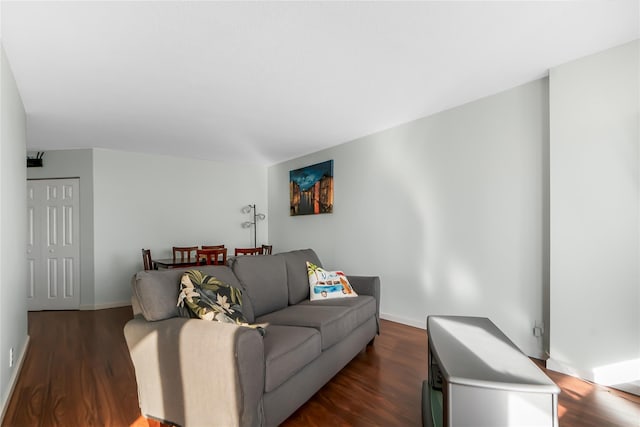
(368, 285)
(196, 372)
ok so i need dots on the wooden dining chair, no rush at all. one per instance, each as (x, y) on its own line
(267, 249)
(216, 256)
(212, 246)
(248, 251)
(146, 260)
(184, 251)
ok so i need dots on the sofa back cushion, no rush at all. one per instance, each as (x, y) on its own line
(297, 276)
(264, 278)
(156, 291)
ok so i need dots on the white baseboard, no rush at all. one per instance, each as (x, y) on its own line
(404, 321)
(619, 378)
(558, 366)
(92, 307)
(14, 376)
(423, 325)
(633, 388)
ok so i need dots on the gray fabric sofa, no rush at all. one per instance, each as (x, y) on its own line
(193, 372)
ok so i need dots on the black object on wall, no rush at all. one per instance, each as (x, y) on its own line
(35, 162)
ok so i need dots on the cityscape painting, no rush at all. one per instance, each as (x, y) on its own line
(311, 189)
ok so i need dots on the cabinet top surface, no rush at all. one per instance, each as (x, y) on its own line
(473, 351)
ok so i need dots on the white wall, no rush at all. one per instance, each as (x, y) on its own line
(13, 229)
(156, 202)
(595, 221)
(76, 164)
(449, 210)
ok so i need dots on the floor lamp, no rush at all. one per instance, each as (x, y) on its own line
(247, 224)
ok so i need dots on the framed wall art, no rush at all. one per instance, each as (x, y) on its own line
(311, 189)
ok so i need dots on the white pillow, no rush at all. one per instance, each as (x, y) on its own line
(328, 284)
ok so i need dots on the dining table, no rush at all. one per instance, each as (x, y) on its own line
(173, 263)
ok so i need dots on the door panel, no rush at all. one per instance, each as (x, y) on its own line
(31, 275)
(53, 250)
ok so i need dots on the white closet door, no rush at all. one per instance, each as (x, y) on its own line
(53, 244)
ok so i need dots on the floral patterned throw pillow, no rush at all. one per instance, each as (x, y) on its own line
(205, 297)
(328, 284)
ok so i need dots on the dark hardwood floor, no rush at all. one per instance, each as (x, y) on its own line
(77, 372)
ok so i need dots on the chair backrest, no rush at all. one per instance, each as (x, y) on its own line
(212, 246)
(146, 259)
(183, 250)
(216, 256)
(248, 251)
(267, 249)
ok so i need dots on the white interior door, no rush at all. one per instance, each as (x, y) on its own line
(53, 244)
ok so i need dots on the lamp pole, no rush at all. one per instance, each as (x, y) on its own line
(255, 227)
(256, 216)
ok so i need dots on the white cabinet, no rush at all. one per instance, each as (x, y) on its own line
(478, 377)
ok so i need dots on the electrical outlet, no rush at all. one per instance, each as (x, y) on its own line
(11, 357)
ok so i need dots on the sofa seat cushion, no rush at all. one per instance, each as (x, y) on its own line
(356, 302)
(287, 349)
(334, 322)
(364, 304)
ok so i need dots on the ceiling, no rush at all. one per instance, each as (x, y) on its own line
(263, 82)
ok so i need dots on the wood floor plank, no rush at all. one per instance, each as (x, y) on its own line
(77, 372)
